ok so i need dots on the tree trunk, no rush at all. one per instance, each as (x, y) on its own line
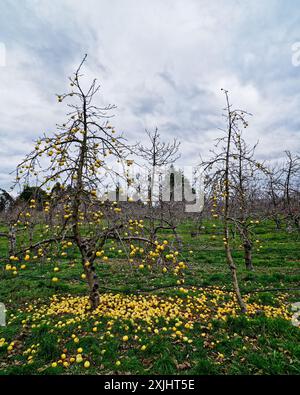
(149, 197)
(277, 223)
(235, 283)
(92, 280)
(230, 261)
(248, 256)
(12, 240)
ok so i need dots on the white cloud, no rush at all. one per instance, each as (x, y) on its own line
(162, 62)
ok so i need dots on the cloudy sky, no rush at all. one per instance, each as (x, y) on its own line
(162, 62)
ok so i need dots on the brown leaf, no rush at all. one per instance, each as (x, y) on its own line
(183, 366)
(147, 362)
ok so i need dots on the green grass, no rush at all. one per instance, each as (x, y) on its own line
(247, 345)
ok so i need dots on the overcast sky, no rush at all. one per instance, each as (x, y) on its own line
(162, 62)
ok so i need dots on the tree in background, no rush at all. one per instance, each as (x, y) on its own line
(245, 171)
(7, 220)
(157, 155)
(291, 172)
(6, 200)
(273, 195)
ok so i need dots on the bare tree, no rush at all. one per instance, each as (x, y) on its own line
(244, 174)
(274, 195)
(157, 155)
(77, 155)
(291, 189)
(72, 166)
(7, 203)
(218, 170)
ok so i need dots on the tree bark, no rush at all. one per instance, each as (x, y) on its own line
(12, 240)
(93, 283)
(233, 272)
(248, 256)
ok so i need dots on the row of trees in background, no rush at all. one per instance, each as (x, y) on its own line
(261, 190)
(73, 172)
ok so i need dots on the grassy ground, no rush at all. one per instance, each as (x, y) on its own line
(146, 324)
